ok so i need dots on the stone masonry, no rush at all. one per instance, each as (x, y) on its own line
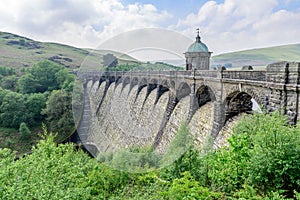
(158, 101)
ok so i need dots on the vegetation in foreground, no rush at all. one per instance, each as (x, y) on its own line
(261, 162)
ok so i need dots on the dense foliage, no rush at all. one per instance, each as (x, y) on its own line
(26, 95)
(261, 162)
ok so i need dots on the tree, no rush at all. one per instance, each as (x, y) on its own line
(59, 113)
(28, 84)
(109, 60)
(40, 78)
(34, 104)
(24, 131)
(7, 71)
(65, 79)
(9, 82)
(13, 110)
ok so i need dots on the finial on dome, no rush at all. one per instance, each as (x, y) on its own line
(198, 36)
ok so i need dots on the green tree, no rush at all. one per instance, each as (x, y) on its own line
(65, 79)
(7, 71)
(28, 84)
(9, 82)
(24, 131)
(3, 93)
(13, 110)
(274, 154)
(35, 103)
(59, 113)
(49, 172)
(40, 78)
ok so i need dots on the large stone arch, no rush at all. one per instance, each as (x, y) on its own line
(161, 89)
(257, 94)
(142, 83)
(237, 102)
(134, 81)
(183, 90)
(126, 81)
(204, 94)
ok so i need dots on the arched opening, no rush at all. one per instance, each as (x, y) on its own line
(183, 91)
(240, 102)
(204, 94)
(126, 81)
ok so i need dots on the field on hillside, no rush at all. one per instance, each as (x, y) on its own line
(259, 57)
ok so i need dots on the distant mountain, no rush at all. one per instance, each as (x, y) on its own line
(259, 57)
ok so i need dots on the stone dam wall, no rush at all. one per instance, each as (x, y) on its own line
(146, 108)
(130, 117)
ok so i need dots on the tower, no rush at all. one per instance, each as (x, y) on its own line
(197, 55)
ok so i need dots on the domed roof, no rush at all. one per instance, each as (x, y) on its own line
(198, 46)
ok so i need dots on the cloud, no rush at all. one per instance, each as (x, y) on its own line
(235, 25)
(228, 26)
(83, 23)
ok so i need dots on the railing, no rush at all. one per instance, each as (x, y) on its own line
(207, 73)
(226, 74)
(246, 75)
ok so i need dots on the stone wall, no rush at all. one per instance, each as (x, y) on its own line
(147, 108)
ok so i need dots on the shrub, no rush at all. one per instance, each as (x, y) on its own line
(24, 131)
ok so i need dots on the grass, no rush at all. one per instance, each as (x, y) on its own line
(260, 57)
(15, 55)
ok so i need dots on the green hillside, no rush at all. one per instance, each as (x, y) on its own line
(259, 57)
(17, 51)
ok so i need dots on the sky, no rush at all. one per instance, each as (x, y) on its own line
(225, 25)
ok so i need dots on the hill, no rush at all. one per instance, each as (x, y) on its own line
(259, 57)
(17, 51)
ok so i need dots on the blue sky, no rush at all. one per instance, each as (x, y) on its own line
(226, 25)
(183, 7)
(175, 7)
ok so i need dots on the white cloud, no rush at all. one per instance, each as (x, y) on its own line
(235, 25)
(83, 23)
(232, 25)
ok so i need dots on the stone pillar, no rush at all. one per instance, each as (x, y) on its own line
(283, 80)
(219, 107)
(219, 118)
(292, 92)
(193, 103)
(168, 112)
(277, 78)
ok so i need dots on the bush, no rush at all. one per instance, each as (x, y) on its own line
(24, 131)
(187, 188)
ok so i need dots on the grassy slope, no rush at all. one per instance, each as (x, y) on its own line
(13, 54)
(260, 57)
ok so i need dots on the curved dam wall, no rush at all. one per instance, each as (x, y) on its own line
(124, 116)
(146, 108)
